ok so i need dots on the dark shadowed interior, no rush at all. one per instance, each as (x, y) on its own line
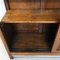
(29, 37)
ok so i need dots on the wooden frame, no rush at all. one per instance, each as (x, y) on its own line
(57, 41)
(5, 45)
(34, 54)
(7, 4)
(54, 47)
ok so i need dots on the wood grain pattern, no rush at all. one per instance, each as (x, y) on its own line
(29, 42)
(29, 11)
(5, 44)
(24, 16)
(57, 41)
(34, 4)
(18, 54)
(52, 5)
(24, 5)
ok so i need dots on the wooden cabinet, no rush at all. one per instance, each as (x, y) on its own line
(31, 27)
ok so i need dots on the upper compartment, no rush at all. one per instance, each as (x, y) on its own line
(33, 4)
(32, 11)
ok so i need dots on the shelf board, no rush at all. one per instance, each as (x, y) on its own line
(29, 16)
(29, 42)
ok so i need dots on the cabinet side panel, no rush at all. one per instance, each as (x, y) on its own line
(57, 41)
(7, 33)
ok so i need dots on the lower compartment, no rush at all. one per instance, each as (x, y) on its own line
(29, 42)
(29, 37)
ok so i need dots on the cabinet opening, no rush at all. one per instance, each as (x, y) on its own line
(29, 37)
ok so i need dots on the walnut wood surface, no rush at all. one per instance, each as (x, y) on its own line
(59, 47)
(29, 41)
(24, 16)
(22, 11)
(57, 40)
(34, 4)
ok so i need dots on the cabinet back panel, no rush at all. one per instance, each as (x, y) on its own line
(33, 4)
(32, 27)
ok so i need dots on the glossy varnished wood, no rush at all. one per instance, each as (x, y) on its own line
(34, 4)
(57, 41)
(30, 16)
(26, 11)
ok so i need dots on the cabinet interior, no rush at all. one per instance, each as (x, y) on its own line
(29, 37)
(30, 25)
